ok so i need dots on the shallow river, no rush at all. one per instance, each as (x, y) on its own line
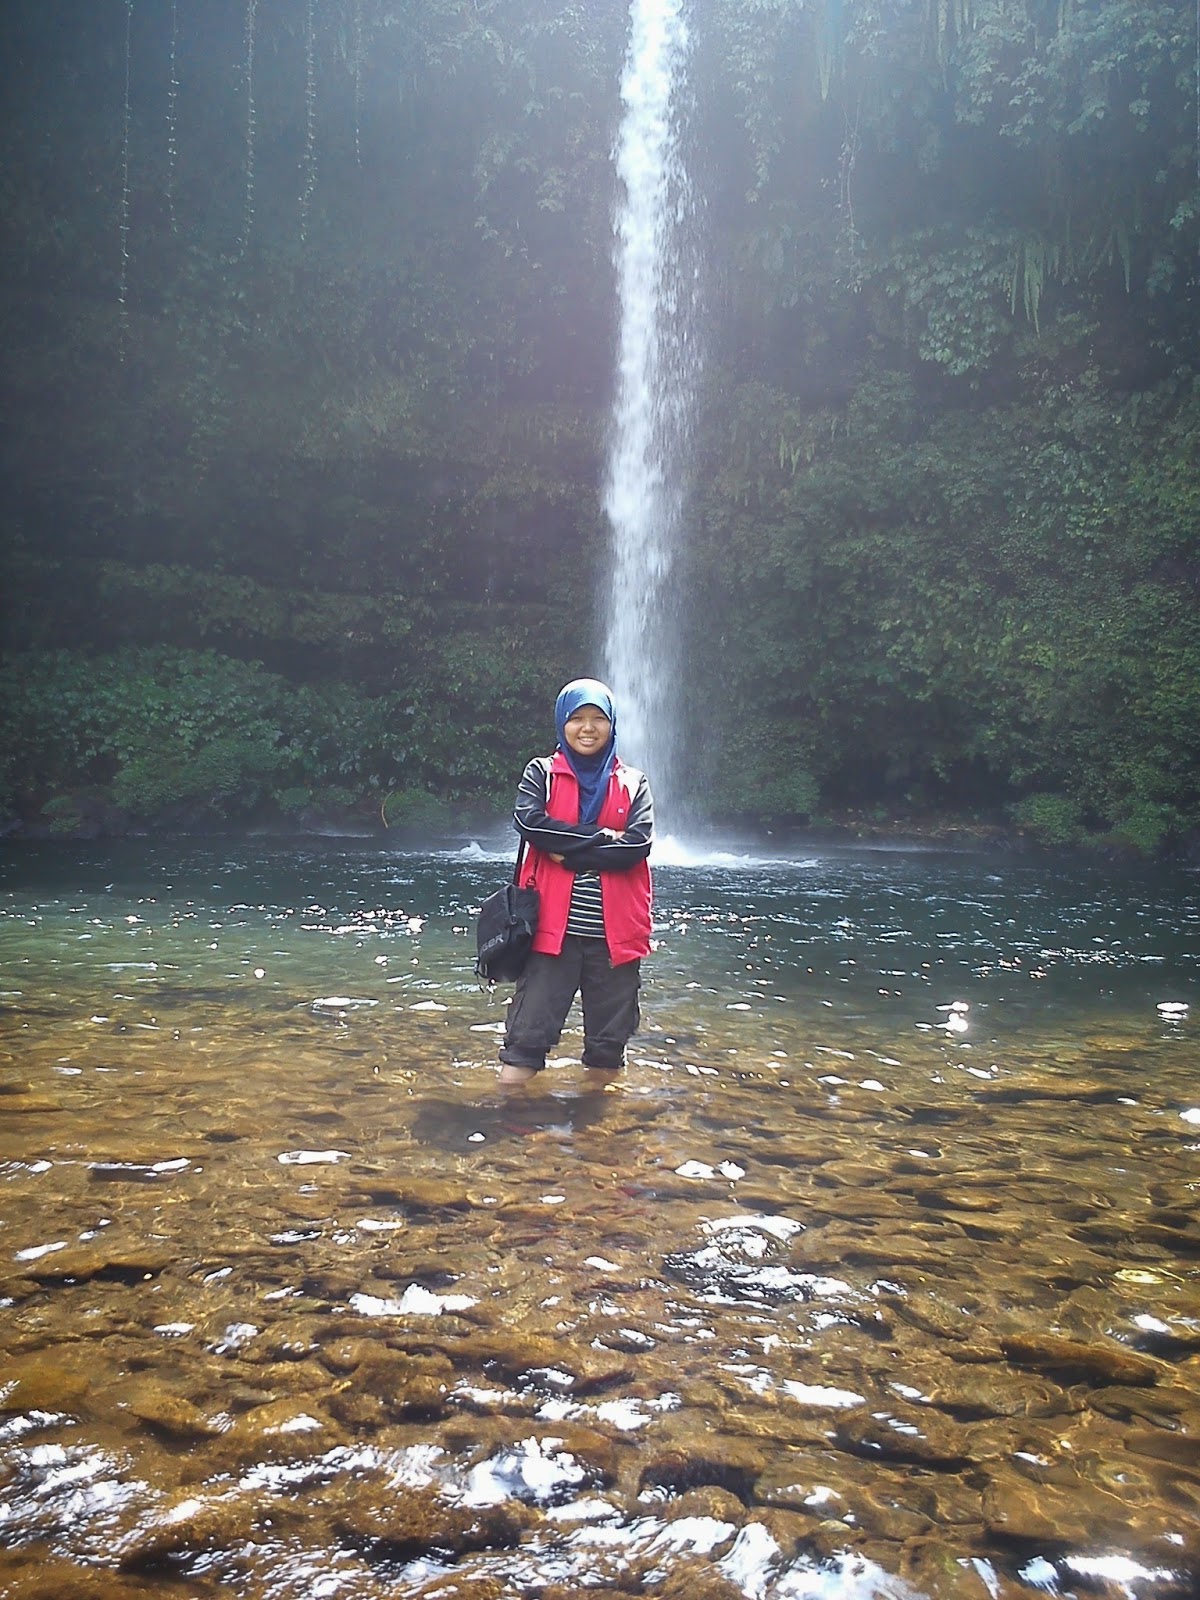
(877, 1274)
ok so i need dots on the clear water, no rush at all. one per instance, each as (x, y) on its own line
(877, 1274)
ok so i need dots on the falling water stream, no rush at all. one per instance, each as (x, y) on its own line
(645, 492)
(876, 1276)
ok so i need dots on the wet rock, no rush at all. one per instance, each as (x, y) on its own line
(853, 1205)
(597, 1370)
(133, 1263)
(600, 1454)
(1180, 1449)
(949, 1501)
(1169, 1338)
(629, 1341)
(789, 1529)
(331, 1284)
(1044, 1515)
(830, 1539)
(189, 1524)
(918, 1253)
(723, 1460)
(405, 1524)
(849, 1175)
(278, 1430)
(996, 1229)
(570, 1591)
(1074, 1359)
(392, 1374)
(422, 1399)
(170, 1414)
(420, 1193)
(1166, 1407)
(902, 1435)
(1181, 1241)
(1177, 1195)
(136, 1171)
(884, 1516)
(18, 1105)
(938, 1572)
(693, 1580)
(793, 1488)
(53, 1579)
(710, 1501)
(1015, 1091)
(945, 1198)
(930, 1315)
(356, 1409)
(34, 1384)
(512, 1354)
(490, 1401)
(973, 1395)
(344, 1355)
(974, 1354)
(475, 1587)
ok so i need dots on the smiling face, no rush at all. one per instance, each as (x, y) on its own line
(587, 731)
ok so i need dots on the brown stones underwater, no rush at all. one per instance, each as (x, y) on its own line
(811, 1305)
(575, 1352)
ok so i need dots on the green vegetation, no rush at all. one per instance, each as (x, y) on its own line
(313, 528)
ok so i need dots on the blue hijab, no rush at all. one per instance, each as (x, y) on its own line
(591, 772)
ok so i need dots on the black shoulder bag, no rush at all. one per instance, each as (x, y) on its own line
(504, 933)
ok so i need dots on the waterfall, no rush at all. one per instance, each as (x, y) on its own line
(645, 491)
(123, 280)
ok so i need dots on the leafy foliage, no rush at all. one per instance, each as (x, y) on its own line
(312, 520)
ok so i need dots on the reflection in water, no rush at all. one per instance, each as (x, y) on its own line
(876, 1274)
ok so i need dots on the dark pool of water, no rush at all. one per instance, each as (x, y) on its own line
(877, 1274)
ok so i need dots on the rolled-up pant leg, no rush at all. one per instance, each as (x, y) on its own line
(540, 1004)
(610, 1005)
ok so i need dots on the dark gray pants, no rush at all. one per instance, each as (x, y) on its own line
(608, 994)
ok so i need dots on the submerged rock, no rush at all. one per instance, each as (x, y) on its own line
(1180, 1449)
(168, 1413)
(972, 1395)
(903, 1436)
(938, 1572)
(32, 1383)
(406, 1524)
(55, 1579)
(711, 1501)
(1042, 1514)
(190, 1524)
(105, 1259)
(721, 1460)
(279, 1430)
(1072, 1358)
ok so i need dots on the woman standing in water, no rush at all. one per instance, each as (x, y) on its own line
(588, 821)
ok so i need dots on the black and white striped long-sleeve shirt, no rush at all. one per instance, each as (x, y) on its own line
(583, 846)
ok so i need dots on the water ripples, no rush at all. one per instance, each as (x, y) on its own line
(877, 1274)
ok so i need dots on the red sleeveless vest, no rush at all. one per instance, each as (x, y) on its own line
(625, 896)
